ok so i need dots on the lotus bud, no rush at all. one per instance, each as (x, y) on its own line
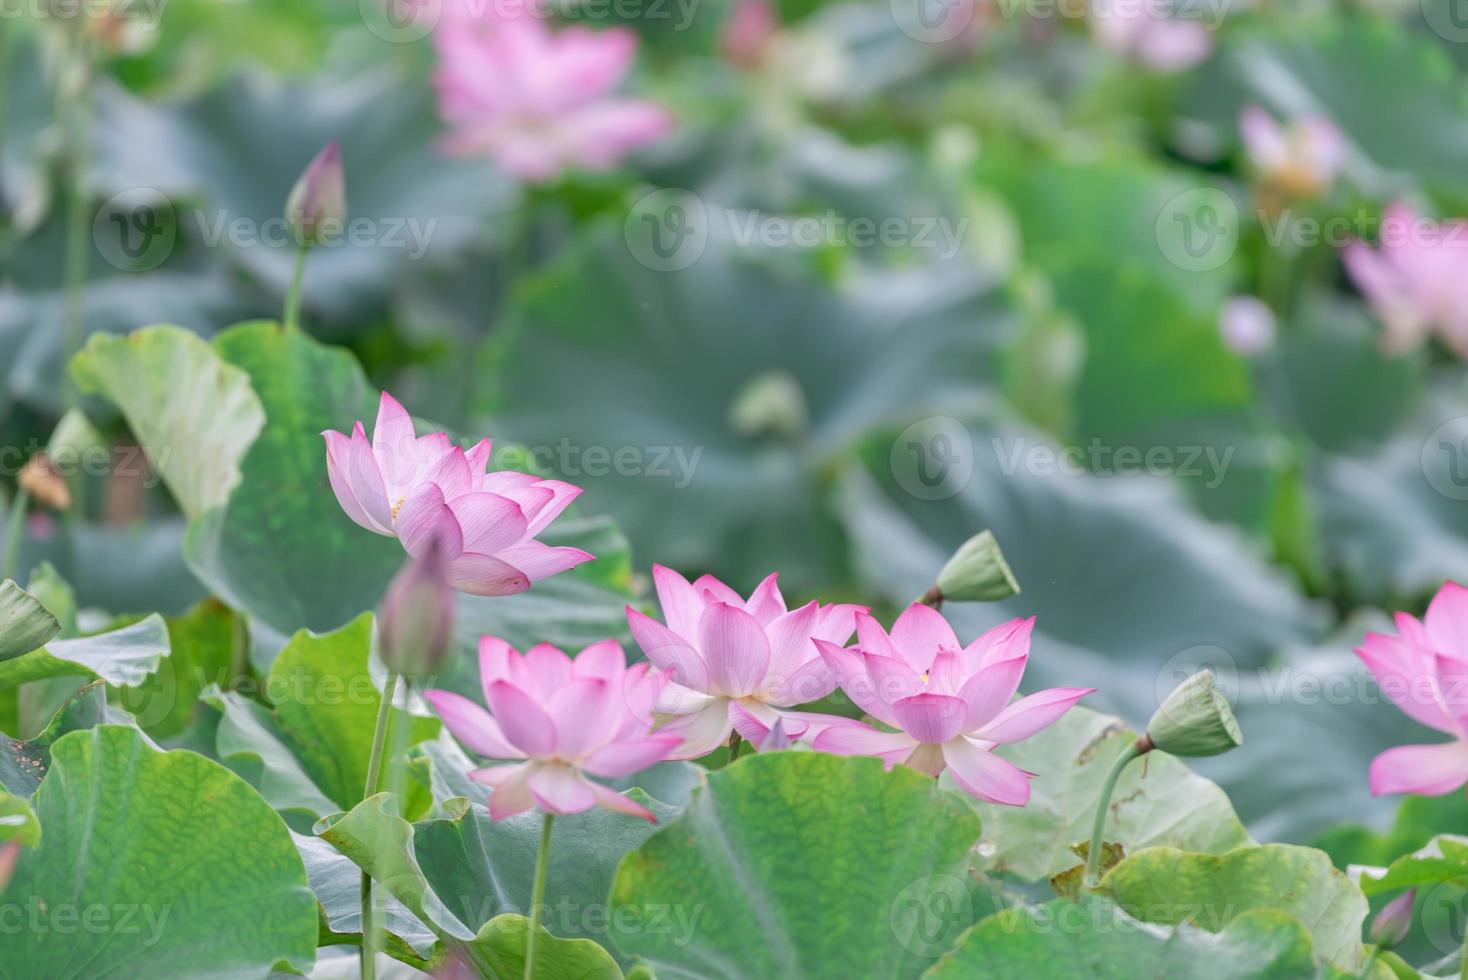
(777, 740)
(1195, 721)
(1391, 924)
(9, 858)
(416, 619)
(977, 572)
(772, 404)
(44, 483)
(317, 207)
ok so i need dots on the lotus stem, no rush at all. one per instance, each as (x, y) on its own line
(736, 746)
(293, 298)
(14, 530)
(76, 119)
(537, 896)
(1103, 805)
(374, 776)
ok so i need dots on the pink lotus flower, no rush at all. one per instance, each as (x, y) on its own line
(1424, 671)
(538, 102)
(418, 489)
(735, 664)
(951, 704)
(1417, 280)
(564, 718)
(1302, 159)
(1149, 32)
(747, 33)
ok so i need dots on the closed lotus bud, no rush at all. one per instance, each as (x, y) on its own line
(1391, 924)
(776, 740)
(416, 621)
(44, 483)
(977, 572)
(772, 404)
(9, 858)
(317, 208)
(1195, 720)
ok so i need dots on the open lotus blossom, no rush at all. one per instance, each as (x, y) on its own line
(563, 719)
(1301, 159)
(951, 704)
(421, 488)
(1150, 32)
(1423, 670)
(1416, 280)
(538, 101)
(736, 664)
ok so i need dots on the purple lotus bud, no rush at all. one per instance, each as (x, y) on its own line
(416, 620)
(777, 740)
(317, 207)
(1390, 926)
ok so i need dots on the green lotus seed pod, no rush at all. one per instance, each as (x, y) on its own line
(977, 572)
(1195, 720)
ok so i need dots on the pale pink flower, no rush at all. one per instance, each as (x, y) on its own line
(418, 489)
(562, 719)
(1423, 670)
(1416, 280)
(539, 101)
(1247, 325)
(736, 664)
(1302, 159)
(951, 704)
(1149, 32)
(747, 33)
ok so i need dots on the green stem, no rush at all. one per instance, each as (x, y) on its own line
(735, 747)
(1103, 806)
(78, 119)
(537, 896)
(293, 298)
(374, 776)
(1370, 962)
(13, 534)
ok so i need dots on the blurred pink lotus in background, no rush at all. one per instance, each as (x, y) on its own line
(747, 33)
(1423, 670)
(1416, 280)
(735, 664)
(538, 101)
(1150, 32)
(951, 704)
(421, 489)
(1301, 159)
(1247, 325)
(562, 718)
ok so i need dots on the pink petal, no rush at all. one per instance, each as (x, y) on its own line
(472, 725)
(946, 675)
(871, 638)
(550, 667)
(498, 661)
(766, 602)
(525, 724)
(393, 435)
(854, 738)
(702, 732)
(587, 712)
(848, 666)
(478, 457)
(1407, 676)
(919, 633)
(425, 517)
(810, 682)
(609, 799)
(631, 755)
(1447, 620)
(1011, 639)
(510, 789)
(540, 561)
(363, 499)
(642, 686)
(560, 789)
(837, 623)
(486, 575)
(707, 585)
(1427, 770)
(991, 689)
(982, 774)
(735, 648)
(789, 637)
(892, 680)
(489, 522)
(668, 651)
(930, 717)
(682, 605)
(452, 475)
(1032, 714)
(605, 660)
(1263, 138)
(561, 496)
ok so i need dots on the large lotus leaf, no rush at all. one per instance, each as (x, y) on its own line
(202, 653)
(152, 840)
(498, 950)
(1393, 93)
(1157, 803)
(723, 388)
(124, 656)
(1093, 938)
(337, 883)
(25, 624)
(1168, 886)
(801, 864)
(282, 548)
(230, 158)
(18, 821)
(1444, 858)
(248, 739)
(23, 764)
(326, 705)
(1124, 579)
(195, 413)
